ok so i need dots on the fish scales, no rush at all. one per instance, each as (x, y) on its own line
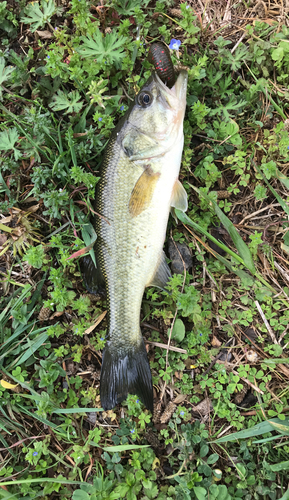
(134, 196)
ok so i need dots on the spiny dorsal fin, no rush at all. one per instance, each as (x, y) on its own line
(179, 197)
(143, 191)
(162, 274)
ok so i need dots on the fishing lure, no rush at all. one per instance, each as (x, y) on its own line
(159, 56)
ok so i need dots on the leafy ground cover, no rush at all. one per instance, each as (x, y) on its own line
(218, 342)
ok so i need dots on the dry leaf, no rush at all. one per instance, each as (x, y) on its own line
(109, 414)
(99, 319)
(204, 407)
(29, 199)
(215, 342)
(180, 398)
(57, 314)
(33, 209)
(156, 464)
(7, 385)
(3, 239)
(44, 34)
(6, 220)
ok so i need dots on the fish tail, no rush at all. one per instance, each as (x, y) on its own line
(125, 372)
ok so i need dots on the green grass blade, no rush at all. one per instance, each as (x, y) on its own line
(41, 480)
(257, 430)
(32, 348)
(273, 361)
(280, 466)
(282, 178)
(266, 440)
(37, 417)
(3, 185)
(71, 146)
(280, 426)
(76, 410)
(186, 220)
(285, 496)
(22, 384)
(237, 239)
(124, 447)
(239, 272)
(7, 495)
(4, 428)
(278, 198)
(267, 94)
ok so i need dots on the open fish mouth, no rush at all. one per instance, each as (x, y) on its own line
(178, 90)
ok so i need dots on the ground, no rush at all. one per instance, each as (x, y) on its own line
(218, 342)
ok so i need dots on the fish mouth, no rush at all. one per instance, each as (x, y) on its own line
(179, 89)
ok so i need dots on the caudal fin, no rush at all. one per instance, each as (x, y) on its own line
(123, 374)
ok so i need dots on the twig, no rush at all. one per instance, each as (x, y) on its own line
(165, 346)
(282, 271)
(283, 334)
(22, 441)
(224, 431)
(249, 216)
(248, 382)
(269, 329)
(239, 41)
(214, 361)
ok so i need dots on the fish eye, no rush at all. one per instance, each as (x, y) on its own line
(144, 99)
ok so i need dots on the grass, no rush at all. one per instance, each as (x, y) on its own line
(218, 342)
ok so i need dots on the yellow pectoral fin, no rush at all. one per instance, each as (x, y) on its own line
(143, 191)
(179, 197)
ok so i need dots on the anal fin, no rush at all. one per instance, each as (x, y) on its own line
(162, 274)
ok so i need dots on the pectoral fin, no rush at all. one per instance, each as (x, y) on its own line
(143, 191)
(162, 274)
(179, 197)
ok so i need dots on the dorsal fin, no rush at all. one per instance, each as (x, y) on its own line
(92, 275)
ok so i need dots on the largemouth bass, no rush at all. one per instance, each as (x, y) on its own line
(138, 186)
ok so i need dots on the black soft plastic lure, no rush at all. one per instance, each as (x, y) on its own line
(159, 56)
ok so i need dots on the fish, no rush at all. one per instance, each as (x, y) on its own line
(138, 187)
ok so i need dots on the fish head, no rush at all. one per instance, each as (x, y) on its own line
(155, 120)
